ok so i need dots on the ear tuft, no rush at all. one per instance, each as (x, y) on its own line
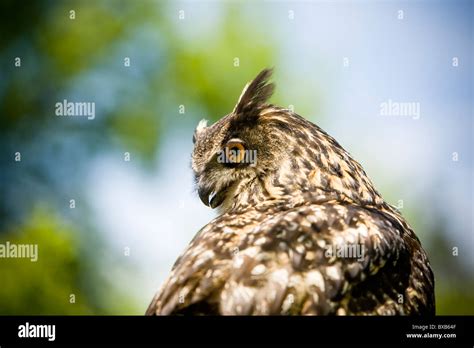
(255, 94)
(201, 126)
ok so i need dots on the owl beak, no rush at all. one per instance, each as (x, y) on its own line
(204, 193)
(217, 198)
(211, 198)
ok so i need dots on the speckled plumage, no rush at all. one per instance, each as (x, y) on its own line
(268, 252)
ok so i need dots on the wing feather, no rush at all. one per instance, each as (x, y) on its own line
(291, 261)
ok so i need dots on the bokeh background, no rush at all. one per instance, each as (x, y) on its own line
(335, 63)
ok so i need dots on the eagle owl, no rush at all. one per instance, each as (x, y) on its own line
(301, 230)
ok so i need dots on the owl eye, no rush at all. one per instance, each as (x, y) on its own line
(234, 151)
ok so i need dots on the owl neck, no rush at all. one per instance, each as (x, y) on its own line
(298, 181)
(294, 191)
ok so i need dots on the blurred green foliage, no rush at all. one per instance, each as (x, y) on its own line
(55, 282)
(41, 287)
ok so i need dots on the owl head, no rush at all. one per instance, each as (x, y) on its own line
(262, 153)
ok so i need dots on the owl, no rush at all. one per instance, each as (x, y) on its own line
(301, 229)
